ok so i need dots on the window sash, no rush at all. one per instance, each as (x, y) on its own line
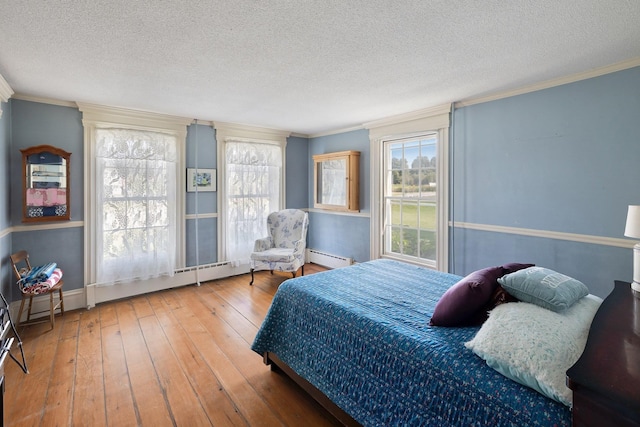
(409, 194)
(136, 221)
(253, 183)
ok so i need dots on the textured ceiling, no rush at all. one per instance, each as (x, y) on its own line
(304, 66)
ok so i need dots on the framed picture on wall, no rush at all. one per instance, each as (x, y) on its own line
(204, 180)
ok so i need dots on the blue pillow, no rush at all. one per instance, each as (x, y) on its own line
(544, 287)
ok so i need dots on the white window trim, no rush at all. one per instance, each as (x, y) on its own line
(226, 132)
(97, 116)
(436, 119)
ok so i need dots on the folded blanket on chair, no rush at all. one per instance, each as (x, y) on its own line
(43, 286)
(37, 274)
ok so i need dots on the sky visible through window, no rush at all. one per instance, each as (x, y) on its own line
(424, 147)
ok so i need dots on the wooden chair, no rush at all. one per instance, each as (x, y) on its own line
(20, 262)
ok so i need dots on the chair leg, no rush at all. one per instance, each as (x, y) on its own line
(20, 311)
(51, 312)
(296, 272)
(61, 302)
(29, 310)
(251, 282)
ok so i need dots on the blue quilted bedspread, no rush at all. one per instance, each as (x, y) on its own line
(361, 335)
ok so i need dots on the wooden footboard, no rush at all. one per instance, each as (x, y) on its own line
(278, 365)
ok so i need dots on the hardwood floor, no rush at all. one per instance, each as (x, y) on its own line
(179, 357)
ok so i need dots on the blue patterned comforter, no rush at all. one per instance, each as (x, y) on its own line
(361, 335)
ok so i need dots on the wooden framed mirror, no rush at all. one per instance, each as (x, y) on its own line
(45, 195)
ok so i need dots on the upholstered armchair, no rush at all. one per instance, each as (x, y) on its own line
(284, 248)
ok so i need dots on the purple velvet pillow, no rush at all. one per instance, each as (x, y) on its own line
(460, 302)
(514, 266)
(467, 302)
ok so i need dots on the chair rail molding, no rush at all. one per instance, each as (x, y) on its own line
(557, 235)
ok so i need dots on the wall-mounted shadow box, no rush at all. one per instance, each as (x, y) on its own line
(45, 195)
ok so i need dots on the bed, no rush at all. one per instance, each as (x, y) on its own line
(359, 340)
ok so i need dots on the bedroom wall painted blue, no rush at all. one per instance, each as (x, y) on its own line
(343, 235)
(35, 123)
(357, 140)
(338, 233)
(597, 266)
(205, 138)
(207, 241)
(560, 159)
(297, 170)
(5, 156)
(64, 246)
(6, 274)
(5, 215)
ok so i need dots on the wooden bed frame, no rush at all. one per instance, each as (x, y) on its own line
(278, 365)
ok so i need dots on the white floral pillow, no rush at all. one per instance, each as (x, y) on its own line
(535, 346)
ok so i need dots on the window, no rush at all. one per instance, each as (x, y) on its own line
(409, 184)
(136, 232)
(134, 200)
(410, 214)
(253, 182)
(251, 186)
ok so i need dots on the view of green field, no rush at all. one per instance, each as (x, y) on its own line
(408, 215)
(411, 219)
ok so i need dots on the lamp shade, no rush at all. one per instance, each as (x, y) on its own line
(633, 222)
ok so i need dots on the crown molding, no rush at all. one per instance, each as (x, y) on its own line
(430, 112)
(596, 72)
(336, 131)
(427, 119)
(244, 131)
(101, 114)
(43, 100)
(410, 116)
(5, 90)
(299, 135)
(202, 122)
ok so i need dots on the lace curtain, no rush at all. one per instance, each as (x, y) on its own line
(135, 205)
(253, 174)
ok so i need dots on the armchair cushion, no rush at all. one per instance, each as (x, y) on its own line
(274, 255)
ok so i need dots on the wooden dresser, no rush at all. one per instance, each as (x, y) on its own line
(606, 379)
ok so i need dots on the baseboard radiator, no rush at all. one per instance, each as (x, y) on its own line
(183, 276)
(327, 260)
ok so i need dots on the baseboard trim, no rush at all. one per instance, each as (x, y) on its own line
(73, 300)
